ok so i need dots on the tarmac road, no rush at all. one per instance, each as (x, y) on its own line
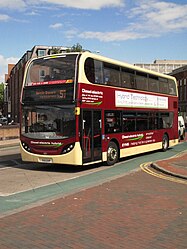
(117, 207)
(29, 183)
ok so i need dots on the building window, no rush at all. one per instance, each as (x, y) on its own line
(41, 75)
(185, 90)
(41, 52)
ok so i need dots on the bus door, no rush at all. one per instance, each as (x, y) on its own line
(91, 135)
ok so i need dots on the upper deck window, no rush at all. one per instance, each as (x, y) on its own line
(94, 71)
(172, 88)
(153, 84)
(102, 72)
(127, 78)
(141, 81)
(111, 75)
(163, 85)
(51, 70)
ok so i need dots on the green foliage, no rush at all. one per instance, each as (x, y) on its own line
(55, 50)
(1, 95)
(75, 48)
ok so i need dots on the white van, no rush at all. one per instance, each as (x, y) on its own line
(181, 127)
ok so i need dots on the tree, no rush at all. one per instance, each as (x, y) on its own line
(55, 50)
(1, 95)
(75, 48)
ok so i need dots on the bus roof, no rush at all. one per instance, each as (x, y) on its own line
(124, 64)
(86, 54)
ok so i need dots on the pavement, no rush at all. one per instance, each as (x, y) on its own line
(9, 143)
(175, 166)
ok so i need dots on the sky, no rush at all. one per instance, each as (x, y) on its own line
(134, 31)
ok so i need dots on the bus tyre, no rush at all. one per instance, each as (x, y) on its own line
(112, 154)
(165, 142)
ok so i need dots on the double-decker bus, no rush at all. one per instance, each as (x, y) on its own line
(84, 108)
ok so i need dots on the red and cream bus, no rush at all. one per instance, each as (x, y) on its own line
(83, 108)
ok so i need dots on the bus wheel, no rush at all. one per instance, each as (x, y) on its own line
(112, 154)
(165, 142)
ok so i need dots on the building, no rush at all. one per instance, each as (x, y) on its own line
(163, 66)
(6, 105)
(14, 79)
(181, 75)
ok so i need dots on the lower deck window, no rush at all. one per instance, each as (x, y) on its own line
(121, 121)
(113, 122)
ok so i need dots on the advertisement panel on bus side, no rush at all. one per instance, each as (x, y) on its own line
(101, 96)
(139, 100)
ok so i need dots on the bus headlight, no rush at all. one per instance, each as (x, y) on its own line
(26, 147)
(67, 148)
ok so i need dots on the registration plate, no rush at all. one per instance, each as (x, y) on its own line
(45, 160)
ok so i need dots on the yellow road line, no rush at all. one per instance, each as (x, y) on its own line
(146, 169)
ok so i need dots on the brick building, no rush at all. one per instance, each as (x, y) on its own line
(181, 75)
(163, 66)
(6, 105)
(14, 79)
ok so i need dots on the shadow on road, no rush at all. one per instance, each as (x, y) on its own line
(14, 161)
